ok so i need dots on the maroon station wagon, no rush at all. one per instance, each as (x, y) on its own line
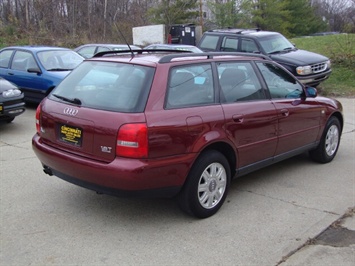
(179, 124)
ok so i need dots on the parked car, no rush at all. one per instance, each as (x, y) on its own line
(180, 124)
(11, 101)
(37, 69)
(310, 68)
(183, 47)
(89, 50)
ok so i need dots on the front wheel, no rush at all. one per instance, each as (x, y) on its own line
(329, 143)
(206, 186)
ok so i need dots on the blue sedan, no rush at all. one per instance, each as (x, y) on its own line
(36, 70)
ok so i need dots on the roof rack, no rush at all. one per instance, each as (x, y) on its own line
(209, 55)
(140, 51)
(236, 31)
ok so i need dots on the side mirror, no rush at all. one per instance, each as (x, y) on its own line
(311, 92)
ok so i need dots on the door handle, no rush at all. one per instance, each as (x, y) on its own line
(238, 118)
(284, 112)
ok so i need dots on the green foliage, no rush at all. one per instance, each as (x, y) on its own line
(226, 14)
(303, 20)
(271, 15)
(290, 17)
(174, 12)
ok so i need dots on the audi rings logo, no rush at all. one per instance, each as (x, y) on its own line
(70, 111)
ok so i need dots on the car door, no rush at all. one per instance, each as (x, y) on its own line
(298, 116)
(250, 118)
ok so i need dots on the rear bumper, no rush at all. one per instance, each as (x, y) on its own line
(121, 177)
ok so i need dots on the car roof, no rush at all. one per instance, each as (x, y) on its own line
(172, 45)
(36, 48)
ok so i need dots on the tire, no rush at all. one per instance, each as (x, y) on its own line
(329, 143)
(206, 186)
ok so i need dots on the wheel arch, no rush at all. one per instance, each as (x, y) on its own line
(225, 149)
(339, 116)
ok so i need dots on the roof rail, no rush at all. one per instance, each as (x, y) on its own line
(209, 55)
(139, 51)
(235, 30)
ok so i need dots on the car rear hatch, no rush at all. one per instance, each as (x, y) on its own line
(84, 113)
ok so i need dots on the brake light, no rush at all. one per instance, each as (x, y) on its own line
(132, 141)
(38, 116)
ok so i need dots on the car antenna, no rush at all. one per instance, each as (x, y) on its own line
(118, 29)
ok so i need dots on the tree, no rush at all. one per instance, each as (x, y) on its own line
(271, 15)
(303, 19)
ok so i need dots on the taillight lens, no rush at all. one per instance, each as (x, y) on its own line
(132, 141)
(38, 115)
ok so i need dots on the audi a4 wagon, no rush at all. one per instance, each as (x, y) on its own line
(180, 124)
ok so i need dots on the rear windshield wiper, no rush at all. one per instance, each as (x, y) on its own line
(75, 100)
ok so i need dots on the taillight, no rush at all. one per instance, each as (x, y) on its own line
(38, 115)
(132, 141)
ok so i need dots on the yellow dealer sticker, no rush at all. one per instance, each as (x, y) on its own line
(72, 135)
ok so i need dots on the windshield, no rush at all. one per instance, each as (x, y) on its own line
(275, 43)
(59, 60)
(106, 86)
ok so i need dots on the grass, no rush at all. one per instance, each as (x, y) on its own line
(341, 51)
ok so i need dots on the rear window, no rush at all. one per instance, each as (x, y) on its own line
(107, 86)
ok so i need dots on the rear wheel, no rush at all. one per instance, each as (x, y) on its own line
(329, 144)
(206, 186)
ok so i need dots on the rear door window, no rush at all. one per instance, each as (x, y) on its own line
(229, 44)
(107, 86)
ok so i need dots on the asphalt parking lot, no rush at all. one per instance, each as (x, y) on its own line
(267, 219)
